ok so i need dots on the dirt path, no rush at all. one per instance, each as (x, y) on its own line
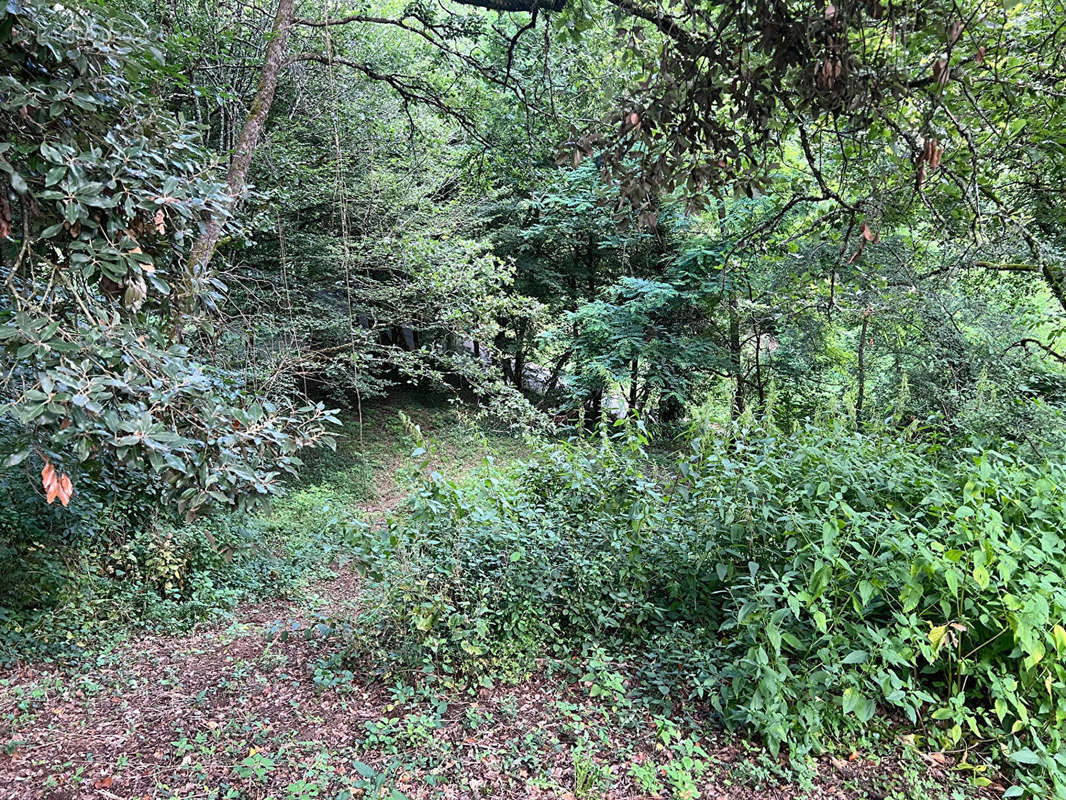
(262, 707)
(234, 712)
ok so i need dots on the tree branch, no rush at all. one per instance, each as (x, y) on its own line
(1026, 342)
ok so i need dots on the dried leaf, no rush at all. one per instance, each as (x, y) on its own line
(57, 486)
(65, 491)
(941, 71)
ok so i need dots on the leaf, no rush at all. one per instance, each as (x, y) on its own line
(1025, 756)
(820, 621)
(66, 490)
(1058, 635)
(363, 769)
(57, 486)
(774, 635)
(16, 458)
(854, 702)
(936, 639)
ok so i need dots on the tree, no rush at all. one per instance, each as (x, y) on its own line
(102, 191)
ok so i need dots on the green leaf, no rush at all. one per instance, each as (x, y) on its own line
(820, 621)
(17, 458)
(936, 639)
(773, 633)
(1026, 756)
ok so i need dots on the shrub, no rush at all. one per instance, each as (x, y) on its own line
(806, 584)
(62, 594)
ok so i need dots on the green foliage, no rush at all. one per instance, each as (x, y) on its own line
(804, 584)
(106, 190)
(70, 589)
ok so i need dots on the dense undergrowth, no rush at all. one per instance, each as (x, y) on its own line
(817, 586)
(61, 597)
(72, 580)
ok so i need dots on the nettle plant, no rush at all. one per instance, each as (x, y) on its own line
(101, 318)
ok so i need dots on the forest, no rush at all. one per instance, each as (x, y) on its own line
(576, 399)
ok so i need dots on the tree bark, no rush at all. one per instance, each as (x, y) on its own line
(634, 376)
(861, 387)
(520, 354)
(237, 174)
(735, 361)
(735, 365)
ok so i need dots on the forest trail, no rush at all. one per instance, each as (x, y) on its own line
(236, 711)
(260, 706)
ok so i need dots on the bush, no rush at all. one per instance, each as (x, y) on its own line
(808, 585)
(66, 590)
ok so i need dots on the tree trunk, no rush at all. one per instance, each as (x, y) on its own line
(735, 364)
(553, 379)
(237, 175)
(862, 369)
(634, 375)
(520, 354)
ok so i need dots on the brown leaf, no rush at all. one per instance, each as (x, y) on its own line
(65, 491)
(5, 216)
(57, 486)
(48, 474)
(979, 58)
(941, 71)
(955, 31)
(104, 783)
